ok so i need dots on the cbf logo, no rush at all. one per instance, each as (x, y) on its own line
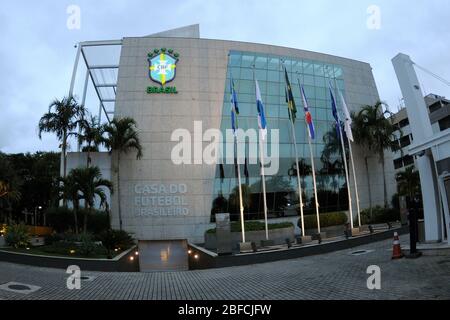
(162, 69)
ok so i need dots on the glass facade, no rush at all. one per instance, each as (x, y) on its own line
(282, 196)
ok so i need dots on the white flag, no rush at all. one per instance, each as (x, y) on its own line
(348, 119)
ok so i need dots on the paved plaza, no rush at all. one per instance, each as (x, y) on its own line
(337, 275)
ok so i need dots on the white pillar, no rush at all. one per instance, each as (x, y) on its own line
(421, 129)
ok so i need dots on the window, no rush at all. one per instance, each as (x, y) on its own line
(403, 123)
(444, 123)
(247, 61)
(405, 141)
(261, 63)
(274, 64)
(407, 160)
(398, 163)
(235, 60)
(273, 76)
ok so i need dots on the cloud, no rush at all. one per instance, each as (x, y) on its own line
(37, 50)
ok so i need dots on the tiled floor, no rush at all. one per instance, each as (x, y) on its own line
(337, 275)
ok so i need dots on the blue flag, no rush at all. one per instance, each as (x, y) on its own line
(335, 112)
(262, 123)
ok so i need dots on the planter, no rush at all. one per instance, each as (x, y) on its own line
(278, 236)
(330, 232)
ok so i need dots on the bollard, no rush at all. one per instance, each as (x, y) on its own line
(288, 242)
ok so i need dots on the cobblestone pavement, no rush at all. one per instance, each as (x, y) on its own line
(336, 275)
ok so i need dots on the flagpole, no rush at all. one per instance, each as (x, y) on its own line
(314, 184)
(300, 197)
(263, 177)
(234, 113)
(261, 156)
(344, 156)
(312, 167)
(241, 207)
(354, 180)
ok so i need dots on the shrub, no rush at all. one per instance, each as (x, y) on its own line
(17, 236)
(86, 244)
(68, 243)
(326, 220)
(380, 215)
(235, 226)
(61, 220)
(112, 239)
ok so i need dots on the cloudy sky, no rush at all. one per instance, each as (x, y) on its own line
(37, 48)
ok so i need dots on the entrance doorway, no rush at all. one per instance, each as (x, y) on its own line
(164, 255)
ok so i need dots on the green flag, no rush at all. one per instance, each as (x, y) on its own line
(290, 97)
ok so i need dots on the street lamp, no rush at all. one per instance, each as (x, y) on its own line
(35, 214)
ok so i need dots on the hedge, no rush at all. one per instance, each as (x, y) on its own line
(380, 215)
(326, 220)
(235, 226)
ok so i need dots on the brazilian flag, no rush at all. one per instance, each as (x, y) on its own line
(290, 98)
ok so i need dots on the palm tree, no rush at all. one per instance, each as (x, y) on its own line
(408, 182)
(89, 183)
(122, 137)
(234, 198)
(61, 119)
(69, 189)
(374, 131)
(305, 170)
(90, 133)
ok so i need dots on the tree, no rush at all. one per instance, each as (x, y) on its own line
(408, 182)
(122, 137)
(91, 134)
(9, 186)
(373, 131)
(88, 182)
(69, 189)
(234, 198)
(61, 119)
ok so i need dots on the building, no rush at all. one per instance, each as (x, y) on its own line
(430, 147)
(439, 115)
(170, 203)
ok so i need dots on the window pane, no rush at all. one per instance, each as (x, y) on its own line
(260, 75)
(308, 67)
(247, 61)
(235, 60)
(318, 69)
(273, 63)
(273, 76)
(261, 62)
(272, 88)
(246, 74)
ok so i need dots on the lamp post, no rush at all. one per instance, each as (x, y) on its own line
(35, 214)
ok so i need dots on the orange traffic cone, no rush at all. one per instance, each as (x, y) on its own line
(396, 250)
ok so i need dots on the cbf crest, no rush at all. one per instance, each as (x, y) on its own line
(162, 65)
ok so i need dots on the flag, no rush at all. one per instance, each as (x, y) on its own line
(290, 97)
(335, 112)
(234, 107)
(348, 119)
(262, 123)
(247, 176)
(308, 117)
(222, 172)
